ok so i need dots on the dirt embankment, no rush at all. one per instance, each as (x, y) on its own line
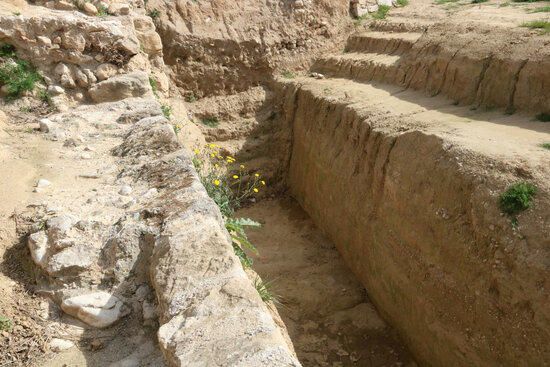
(490, 68)
(223, 47)
(417, 219)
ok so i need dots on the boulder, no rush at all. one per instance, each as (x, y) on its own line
(105, 71)
(98, 309)
(89, 9)
(119, 87)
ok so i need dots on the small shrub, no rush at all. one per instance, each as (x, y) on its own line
(265, 291)
(545, 145)
(16, 13)
(5, 324)
(381, 12)
(229, 184)
(543, 25)
(155, 13)
(177, 128)
(19, 76)
(543, 117)
(402, 2)
(7, 50)
(190, 97)
(288, 74)
(517, 198)
(210, 121)
(166, 111)
(479, 1)
(45, 97)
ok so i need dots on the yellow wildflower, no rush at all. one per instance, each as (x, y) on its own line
(216, 165)
(212, 155)
(196, 151)
(242, 166)
(235, 177)
(256, 190)
(257, 175)
(263, 182)
(217, 182)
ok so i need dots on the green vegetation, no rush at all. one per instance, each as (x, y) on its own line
(479, 1)
(288, 74)
(19, 76)
(517, 198)
(544, 9)
(7, 50)
(166, 111)
(210, 121)
(543, 25)
(381, 12)
(543, 117)
(229, 185)
(265, 291)
(5, 324)
(527, 1)
(402, 2)
(190, 97)
(102, 11)
(545, 146)
(235, 227)
(155, 13)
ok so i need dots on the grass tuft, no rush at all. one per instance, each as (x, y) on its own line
(402, 2)
(517, 198)
(479, 1)
(154, 13)
(288, 74)
(545, 146)
(7, 50)
(265, 291)
(544, 9)
(543, 25)
(210, 121)
(381, 12)
(543, 117)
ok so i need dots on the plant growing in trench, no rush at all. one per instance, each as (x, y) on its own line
(265, 291)
(229, 184)
(5, 324)
(17, 75)
(517, 198)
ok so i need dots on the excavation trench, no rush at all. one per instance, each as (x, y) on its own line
(327, 312)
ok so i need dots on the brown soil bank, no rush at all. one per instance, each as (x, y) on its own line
(407, 188)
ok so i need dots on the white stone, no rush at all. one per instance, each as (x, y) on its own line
(44, 41)
(38, 246)
(55, 90)
(46, 125)
(125, 190)
(98, 309)
(43, 183)
(86, 156)
(58, 345)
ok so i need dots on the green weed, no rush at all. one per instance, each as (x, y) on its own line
(543, 117)
(102, 11)
(441, 2)
(545, 146)
(155, 13)
(517, 198)
(402, 2)
(236, 228)
(381, 12)
(166, 111)
(288, 74)
(190, 97)
(210, 121)
(5, 324)
(479, 1)
(19, 76)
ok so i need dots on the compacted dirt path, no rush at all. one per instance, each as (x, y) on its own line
(327, 312)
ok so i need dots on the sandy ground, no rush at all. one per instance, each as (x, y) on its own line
(326, 310)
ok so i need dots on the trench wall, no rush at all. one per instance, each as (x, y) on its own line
(423, 232)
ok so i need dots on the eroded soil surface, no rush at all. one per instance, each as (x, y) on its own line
(326, 310)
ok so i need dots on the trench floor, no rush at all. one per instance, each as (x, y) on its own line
(326, 310)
